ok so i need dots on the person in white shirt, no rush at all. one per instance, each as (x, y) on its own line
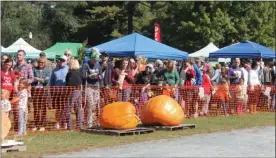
(253, 78)
(254, 82)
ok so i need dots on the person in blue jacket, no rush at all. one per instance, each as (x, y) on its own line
(198, 75)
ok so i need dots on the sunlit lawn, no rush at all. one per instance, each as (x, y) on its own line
(60, 142)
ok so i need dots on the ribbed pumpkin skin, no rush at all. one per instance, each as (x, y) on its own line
(162, 110)
(118, 115)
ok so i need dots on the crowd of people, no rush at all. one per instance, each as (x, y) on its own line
(189, 82)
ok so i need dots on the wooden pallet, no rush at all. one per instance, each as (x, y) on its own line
(5, 149)
(135, 131)
(173, 128)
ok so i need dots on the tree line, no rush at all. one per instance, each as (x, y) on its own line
(186, 25)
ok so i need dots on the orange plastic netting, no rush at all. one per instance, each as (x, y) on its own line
(79, 107)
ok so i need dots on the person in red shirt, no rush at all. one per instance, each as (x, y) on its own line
(8, 77)
(122, 77)
(190, 73)
(207, 85)
(189, 91)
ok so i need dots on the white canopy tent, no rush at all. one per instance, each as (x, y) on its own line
(2, 49)
(204, 52)
(21, 44)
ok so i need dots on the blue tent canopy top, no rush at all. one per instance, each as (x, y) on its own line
(244, 49)
(137, 45)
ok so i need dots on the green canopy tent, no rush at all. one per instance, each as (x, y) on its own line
(35, 56)
(59, 48)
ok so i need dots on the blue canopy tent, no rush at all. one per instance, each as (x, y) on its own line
(244, 49)
(137, 45)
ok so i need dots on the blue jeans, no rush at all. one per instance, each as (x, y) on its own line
(22, 121)
(74, 99)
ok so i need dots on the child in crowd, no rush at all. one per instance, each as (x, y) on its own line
(224, 95)
(5, 103)
(20, 103)
(207, 85)
(214, 88)
(240, 95)
(215, 97)
(266, 96)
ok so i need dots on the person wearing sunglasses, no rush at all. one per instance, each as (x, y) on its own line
(41, 79)
(68, 54)
(145, 79)
(58, 78)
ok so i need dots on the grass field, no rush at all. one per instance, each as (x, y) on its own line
(60, 142)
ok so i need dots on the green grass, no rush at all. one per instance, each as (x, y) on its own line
(54, 143)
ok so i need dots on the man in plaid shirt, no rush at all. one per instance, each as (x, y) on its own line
(22, 68)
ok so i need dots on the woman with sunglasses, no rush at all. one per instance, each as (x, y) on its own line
(68, 54)
(39, 93)
(145, 78)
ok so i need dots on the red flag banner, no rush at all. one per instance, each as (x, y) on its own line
(157, 32)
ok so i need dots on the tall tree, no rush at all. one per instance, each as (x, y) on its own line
(188, 25)
(18, 19)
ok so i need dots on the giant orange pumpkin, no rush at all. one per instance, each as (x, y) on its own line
(119, 115)
(5, 125)
(162, 110)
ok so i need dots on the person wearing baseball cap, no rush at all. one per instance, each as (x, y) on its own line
(42, 54)
(63, 58)
(92, 73)
(60, 72)
(58, 78)
(95, 56)
(104, 54)
(107, 69)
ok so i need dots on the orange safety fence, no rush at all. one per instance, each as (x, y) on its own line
(67, 107)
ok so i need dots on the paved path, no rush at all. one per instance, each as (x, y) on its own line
(254, 142)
